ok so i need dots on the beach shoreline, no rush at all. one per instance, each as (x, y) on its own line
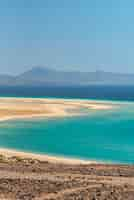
(25, 108)
(31, 108)
(9, 153)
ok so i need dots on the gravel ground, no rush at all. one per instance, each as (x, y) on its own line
(28, 179)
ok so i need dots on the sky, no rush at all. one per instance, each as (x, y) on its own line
(82, 35)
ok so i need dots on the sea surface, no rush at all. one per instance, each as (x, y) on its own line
(121, 93)
(101, 135)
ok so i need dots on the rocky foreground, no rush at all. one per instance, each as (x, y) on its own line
(31, 179)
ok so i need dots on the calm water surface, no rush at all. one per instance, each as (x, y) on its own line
(102, 135)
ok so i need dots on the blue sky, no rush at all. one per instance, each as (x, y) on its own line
(80, 35)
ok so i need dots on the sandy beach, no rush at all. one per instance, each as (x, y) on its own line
(8, 153)
(17, 108)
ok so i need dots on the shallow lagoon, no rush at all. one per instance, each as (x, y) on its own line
(100, 135)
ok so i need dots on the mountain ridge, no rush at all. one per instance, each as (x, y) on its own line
(47, 76)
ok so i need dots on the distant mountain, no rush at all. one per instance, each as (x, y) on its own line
(44, 76)
(40, 75)
(6, 79)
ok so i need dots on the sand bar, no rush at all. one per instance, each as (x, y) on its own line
(17, 108)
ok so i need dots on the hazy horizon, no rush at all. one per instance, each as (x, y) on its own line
(59, 70)
(23, 70)
(78, 35)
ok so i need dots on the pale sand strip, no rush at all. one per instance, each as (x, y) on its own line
(8, 153)
(18, 108)
(32, 116)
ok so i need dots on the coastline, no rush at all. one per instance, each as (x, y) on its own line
(24, 108)
(9, 153)
(28, 108)
(29, 175)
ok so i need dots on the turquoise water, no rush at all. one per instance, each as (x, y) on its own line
(102, 135)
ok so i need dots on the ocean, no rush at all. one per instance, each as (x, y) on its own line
(102, 135)
(121, 93)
